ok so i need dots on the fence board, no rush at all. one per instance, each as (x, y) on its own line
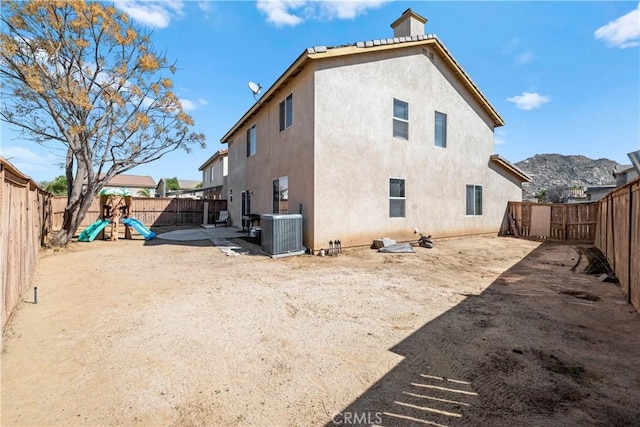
(24, 223)
(618, 237)
(575, 222)
(152, 211)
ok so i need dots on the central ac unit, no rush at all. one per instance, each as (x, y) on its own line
(282, 234)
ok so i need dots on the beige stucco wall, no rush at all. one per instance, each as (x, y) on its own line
(278, 153)
(356, 155)
(340, 154)
(220, 172)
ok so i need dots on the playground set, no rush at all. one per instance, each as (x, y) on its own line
(115, 205)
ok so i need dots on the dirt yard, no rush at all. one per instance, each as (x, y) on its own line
(476, 331)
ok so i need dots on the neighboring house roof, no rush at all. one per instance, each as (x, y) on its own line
(510, 167)
(323, 52)
(574, 193)
(188, 184)
(123, 180)
(597, 188)
(622, 169)
(220, 153)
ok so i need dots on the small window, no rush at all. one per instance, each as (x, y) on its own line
(281, 195)
(251, 141)
(474, 200)
(286, 112)
(400, 119)
(396, 198)
(212, 174)
(441, 130)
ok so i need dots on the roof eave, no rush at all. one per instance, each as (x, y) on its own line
(219, 153)
(310, 54)
(510, 167)
(293, 70)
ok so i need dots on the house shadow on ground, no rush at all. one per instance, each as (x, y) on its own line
(544, 345)
(228, 239)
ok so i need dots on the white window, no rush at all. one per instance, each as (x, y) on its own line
(396, 198)
(211, 174)
(286, 112)
(251, 141)
(400, 119)
(474, 200)
(441, 130)
(281, 195)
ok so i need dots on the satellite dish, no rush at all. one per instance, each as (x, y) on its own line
(255, 88)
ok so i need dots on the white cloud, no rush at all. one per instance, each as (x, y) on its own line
(154, 13)
(524, 58)
(510, 46)
(277, 11)
(27, 161)
(348, 9)
(499, 137)
(624, 32)
(206, 7)
(189, 105)
(294, 12)
(529, 101)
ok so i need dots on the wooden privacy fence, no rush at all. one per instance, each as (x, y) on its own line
(25, 219)
(574, 222)
(618, 237)
(151, 211)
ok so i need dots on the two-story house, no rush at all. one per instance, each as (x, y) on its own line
(214, 175)
(374, 139)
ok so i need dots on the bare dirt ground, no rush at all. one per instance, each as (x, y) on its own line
(476, 331)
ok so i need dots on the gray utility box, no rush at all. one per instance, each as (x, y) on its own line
(281, 234)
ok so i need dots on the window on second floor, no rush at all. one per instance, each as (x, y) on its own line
(400, 119)
(441, 130)
(251, 141)
(286, 112)
(211, 174)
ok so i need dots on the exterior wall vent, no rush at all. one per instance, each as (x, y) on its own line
(427, 53)
(282, 234)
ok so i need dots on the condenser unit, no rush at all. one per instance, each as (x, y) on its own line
(282, 234)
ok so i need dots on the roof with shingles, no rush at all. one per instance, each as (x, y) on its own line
(188, 184)
(138, 181)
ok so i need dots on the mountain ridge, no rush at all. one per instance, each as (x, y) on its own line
(559, 171)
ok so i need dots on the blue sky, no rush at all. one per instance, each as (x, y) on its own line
(565, 76)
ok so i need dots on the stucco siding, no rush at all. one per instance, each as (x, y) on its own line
(278, 153)
(356, 154)
(236, 179)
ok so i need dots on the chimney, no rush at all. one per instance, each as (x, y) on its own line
(409, 24)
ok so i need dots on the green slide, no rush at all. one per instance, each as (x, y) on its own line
(92, 231)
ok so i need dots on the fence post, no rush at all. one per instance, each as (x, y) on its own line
(629, 277)
(565, 212)
(613, 235)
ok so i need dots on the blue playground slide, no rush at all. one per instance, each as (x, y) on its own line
(144, 231)
(92, 231)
